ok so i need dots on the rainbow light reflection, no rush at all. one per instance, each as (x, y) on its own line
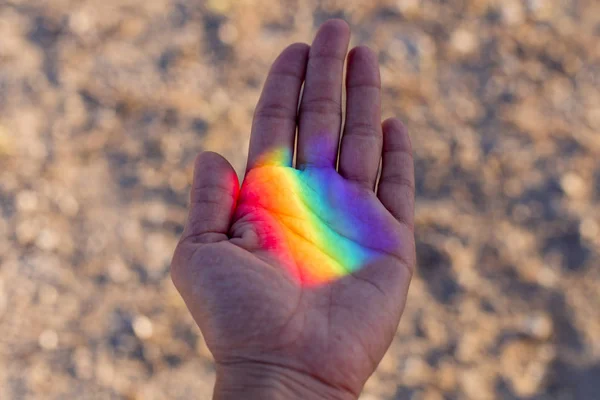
(312, 221)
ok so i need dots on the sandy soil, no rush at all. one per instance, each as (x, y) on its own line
(104, 104)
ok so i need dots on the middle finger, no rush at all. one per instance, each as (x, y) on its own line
(321, 107)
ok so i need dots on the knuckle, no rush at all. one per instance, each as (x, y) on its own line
(321, 105)
(274, 110)
(327, 56)
(401, 181)
(364, 129)
(371, 84)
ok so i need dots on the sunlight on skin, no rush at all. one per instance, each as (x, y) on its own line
(315, 223)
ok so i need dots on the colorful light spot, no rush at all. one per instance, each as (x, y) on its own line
(314, 222)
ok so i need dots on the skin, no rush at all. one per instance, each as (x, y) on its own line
(271, 337)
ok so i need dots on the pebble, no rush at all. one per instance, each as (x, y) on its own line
(416, 371)
(589, 229)
(524, 366)
(547, 277)
(27, 200)
(118, 270)
(541, 10)
(409, 7)
(573, 185)
(464, 41)
(228, 33)
(389, 363)
(593, 117)
(82, 359)
(539, 326)
(142, 327)
(47, 240)
(471, 347)
(48, 339)
(48, 295)
(446, 377)
(26, 231)
(476, 383)
(157, 212)
(80, 22)
(105, 371)
(178, 181)
(435, 331)
(513, 12)
(68, 205)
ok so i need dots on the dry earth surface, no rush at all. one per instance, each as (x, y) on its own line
(104, 104)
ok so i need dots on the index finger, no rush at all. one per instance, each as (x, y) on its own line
(274, 124)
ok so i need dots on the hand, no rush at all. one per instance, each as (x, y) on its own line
(299, 279)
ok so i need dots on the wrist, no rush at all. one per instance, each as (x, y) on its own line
(264, 381)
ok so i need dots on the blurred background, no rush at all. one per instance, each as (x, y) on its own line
(104, 104)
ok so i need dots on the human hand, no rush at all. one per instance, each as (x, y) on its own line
(299, 279)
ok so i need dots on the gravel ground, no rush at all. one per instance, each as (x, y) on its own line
(104, 104)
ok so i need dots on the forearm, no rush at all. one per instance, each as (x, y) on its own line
(260, 381)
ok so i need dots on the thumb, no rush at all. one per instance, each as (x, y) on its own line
(213, 199)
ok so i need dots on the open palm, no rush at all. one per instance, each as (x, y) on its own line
(301, 276)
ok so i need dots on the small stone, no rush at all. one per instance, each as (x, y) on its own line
(416, 372)
(435, 331)
(513, 12)
(26, 231)
(589, 229)
(389, 364)
(446, 376)
(409, 7)
(157, 213)
(228, 33)
(48, 340)
(593, 117)
(547, 277)
(82, 359)
(471, 346)
(68, 205)
(464, 41)
(524, 366)
(131, 230)
(573, 185)
(541, 10)
(538, 326)
(40, 377)
(80, 22)
(477, 384)
(105, 372)
(118, 271)
(27, 200)
(178, 181)
(142, 327)
(48, 295)
(47, 240)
